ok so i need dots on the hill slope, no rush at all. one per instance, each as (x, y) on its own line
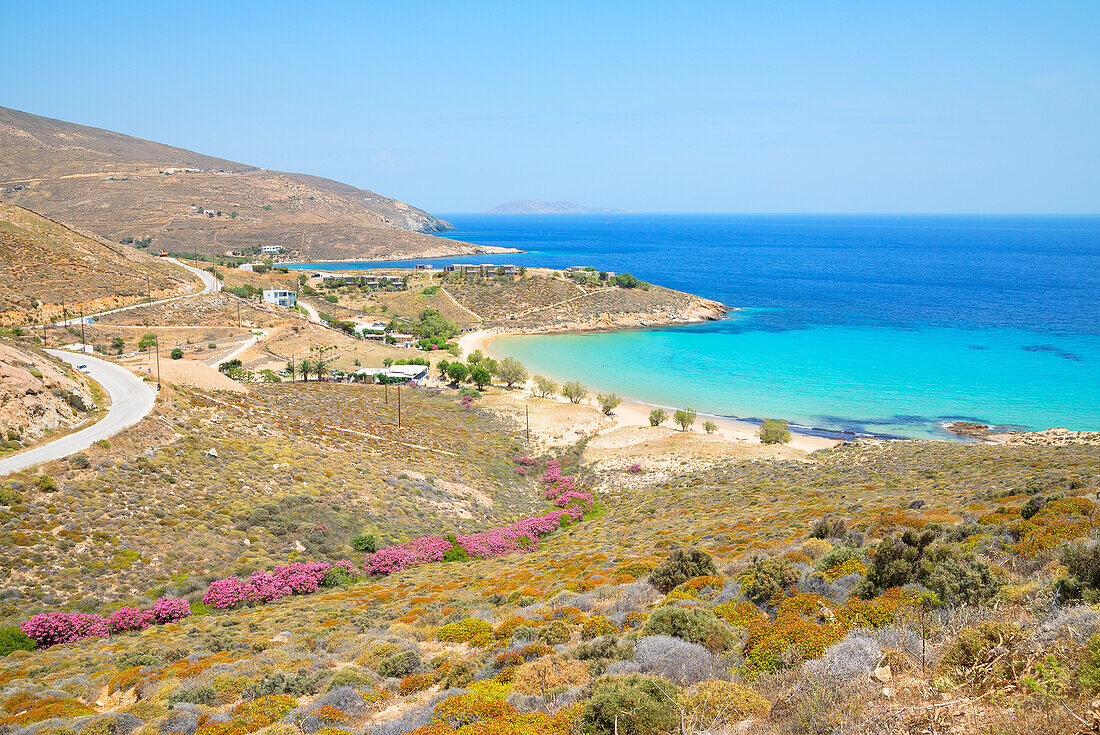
(46, 266)
(120, 186)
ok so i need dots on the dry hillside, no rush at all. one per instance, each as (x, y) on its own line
(117, 186)
(38, 395)
(46, 266)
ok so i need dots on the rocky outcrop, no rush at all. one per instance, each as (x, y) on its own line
(38, 395)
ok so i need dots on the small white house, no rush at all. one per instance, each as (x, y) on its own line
(246, 267)
(281, 298)
(269, 249)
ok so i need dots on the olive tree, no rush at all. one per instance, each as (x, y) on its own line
(574, 391)
(545, 387)
(511, 371)
(685, 417)
(657, 416)
(608, 402)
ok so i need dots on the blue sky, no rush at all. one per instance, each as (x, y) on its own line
(689, 106)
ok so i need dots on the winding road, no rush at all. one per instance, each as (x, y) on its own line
(131, 400)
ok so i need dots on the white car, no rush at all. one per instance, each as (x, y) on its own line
(84, 369)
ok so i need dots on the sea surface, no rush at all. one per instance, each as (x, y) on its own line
(882, 325)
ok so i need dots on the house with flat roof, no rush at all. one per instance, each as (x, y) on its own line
(267, 249)
(395, 373)
(424, 266)
(280, 297)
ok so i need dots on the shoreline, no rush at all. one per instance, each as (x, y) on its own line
(476, 250)
(635, 412)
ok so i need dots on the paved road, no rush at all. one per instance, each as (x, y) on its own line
(209, 285)
(131, 400)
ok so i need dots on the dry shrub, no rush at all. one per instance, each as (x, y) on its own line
(716, 704)
(549, 673)
(815, 548)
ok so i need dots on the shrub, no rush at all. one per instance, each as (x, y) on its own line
(13, 639)
(1033, 505)
(829, 527)
(45, 483)
(631, 705)
(414, 683)
(545, 387)
(657, 416)
(554, 633)
(177, 353)
(1083, 580)
(548, 673)
(769, 576)
(986, 656)
(170, 609)
(129, 618)
(80, 461)
(674, 659)
(1088, 671)
(710, 427)
(458, 675)
(955, 574)
(596, 626)
(715, 705)
(816, 548)
(695, 625)
(198, 695)
(775, 431)
(364, 542)
(679, 567)
(463, 630)
(399, 664)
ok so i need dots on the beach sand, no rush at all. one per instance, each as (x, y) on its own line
(567, 422)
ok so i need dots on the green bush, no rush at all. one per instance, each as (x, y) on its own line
(80, 461)
(199, 695)
(769, 576)
(954, 573)
(177, 353)
(459, 675)
(1088, 672)
(463, 630)
(1083, 580)
(775, 431)
(399, 664)
(631, 705)
(694, 625)
(829, 527)
(364, 542)
(554, 633)
(681, 566)
(13, 639)
(45, 483)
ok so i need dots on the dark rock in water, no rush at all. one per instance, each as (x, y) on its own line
(969, 428)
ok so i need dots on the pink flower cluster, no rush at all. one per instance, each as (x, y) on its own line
(50, 629)
(634, 468)
(264, 586)
(525, 461)
(520, 536)
(564, 490)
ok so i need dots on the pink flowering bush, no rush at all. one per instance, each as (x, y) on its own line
(50, 629)
(299, 578)
(420, 550)
(634, 468)
(170, 609)
(129, 618)
(525, 461)
(572, 497)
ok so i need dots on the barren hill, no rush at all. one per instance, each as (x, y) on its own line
(119, 186)
(46, 267)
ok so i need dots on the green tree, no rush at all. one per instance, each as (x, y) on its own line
(657, 416)
(306, 369)
(608, 402)
(117, 344)
(457, 372)
(481, 377)
(775, 431)
(435, 327)
(147, 341)
(685, 417)
(229, 366)
(511, 371)
(177, 353)
(574, 391)
(625, 280)
(710, 427)
(545, 387)
(442, 367)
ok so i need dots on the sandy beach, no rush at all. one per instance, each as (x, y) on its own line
(634, 413)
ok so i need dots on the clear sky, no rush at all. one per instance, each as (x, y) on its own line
(773, 106)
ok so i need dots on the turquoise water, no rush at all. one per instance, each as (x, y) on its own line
(869, 324)
(861, 379)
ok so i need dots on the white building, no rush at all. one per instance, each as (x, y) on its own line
(281, 298)
(268, 249)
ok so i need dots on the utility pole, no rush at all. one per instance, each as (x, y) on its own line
(148, 291)
(238, 315)
(82, 342)
(385, 382)
(158, 363)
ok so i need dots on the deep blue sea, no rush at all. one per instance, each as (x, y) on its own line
(870, 324)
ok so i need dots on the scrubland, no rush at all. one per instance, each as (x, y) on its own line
(880, 587)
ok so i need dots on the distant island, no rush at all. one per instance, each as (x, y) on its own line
(538, 206)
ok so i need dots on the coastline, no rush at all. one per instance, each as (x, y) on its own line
(445, 252)
(634, 413)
